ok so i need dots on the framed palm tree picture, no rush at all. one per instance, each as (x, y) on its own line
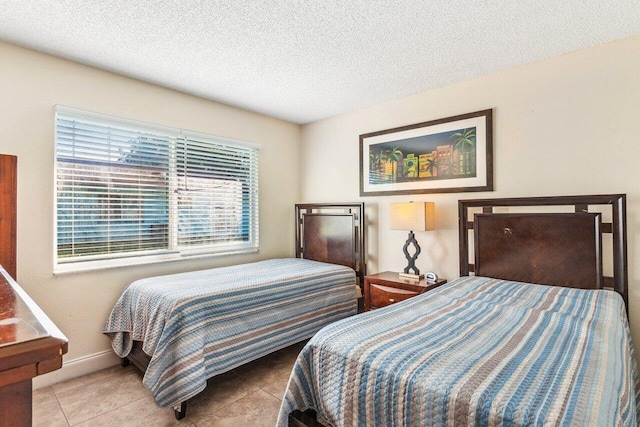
(449, 155)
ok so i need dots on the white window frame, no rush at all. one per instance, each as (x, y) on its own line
(174, 252)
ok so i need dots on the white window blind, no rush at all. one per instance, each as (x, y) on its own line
(130, 192)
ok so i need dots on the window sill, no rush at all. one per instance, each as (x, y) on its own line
(87, 266)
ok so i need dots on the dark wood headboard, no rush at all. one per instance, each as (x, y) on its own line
(332, 232)
(552, 248)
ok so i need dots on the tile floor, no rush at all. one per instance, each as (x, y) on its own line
(246, 396)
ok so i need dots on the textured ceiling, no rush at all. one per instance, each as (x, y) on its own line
(303, 61)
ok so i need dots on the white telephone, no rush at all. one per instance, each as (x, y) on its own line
(430, 276)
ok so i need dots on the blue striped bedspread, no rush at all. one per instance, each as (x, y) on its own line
(199, 324)
(476, 351)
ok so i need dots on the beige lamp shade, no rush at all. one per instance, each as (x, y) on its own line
(413, 216)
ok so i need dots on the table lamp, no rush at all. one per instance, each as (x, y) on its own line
(412, 217)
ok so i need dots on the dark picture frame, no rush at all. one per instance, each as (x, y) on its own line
(449, 155)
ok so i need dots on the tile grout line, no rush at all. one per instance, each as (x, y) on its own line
(60, 406)
(104, 413)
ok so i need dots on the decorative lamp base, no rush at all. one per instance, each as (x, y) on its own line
(411, 240)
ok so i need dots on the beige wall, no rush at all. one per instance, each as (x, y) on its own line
(563, 126)
(31, 84)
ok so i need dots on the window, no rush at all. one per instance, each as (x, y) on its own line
(129, 192)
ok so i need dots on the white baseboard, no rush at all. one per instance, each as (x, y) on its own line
(77, 367)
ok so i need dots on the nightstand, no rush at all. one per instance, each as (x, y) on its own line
(386, 288)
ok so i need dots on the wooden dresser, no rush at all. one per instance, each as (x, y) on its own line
(30, 344)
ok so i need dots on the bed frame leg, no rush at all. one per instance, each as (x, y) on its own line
(308, 418)
(180, 410)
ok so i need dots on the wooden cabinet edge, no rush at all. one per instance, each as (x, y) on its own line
(52, 346)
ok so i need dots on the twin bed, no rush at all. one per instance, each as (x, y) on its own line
(487, 349)
(183, 329)
(490, 349)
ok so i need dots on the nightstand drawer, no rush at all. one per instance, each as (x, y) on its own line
(381, 296)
